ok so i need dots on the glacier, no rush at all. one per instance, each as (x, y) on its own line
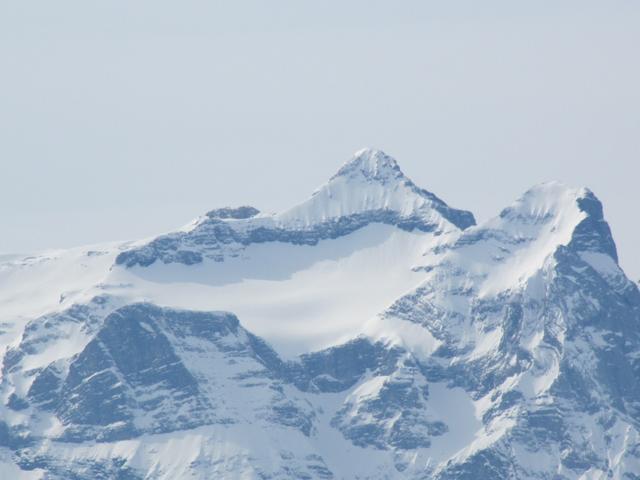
(369, 332)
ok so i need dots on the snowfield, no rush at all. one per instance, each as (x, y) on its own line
(372, 332)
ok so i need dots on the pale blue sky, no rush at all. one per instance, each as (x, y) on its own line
(122, 119)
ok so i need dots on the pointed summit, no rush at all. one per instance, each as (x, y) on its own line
(575, 211)
(371, 164)
(372, 184)
(369, 189)
(549, 225)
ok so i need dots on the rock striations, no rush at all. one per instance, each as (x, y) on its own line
(369, 332)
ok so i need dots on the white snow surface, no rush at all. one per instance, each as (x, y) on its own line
(521, 239)
(370, 181)
(304, 298)
(299, 298)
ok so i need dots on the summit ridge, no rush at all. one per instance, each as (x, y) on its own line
(370, 331)
(372, 164)
(369, 189)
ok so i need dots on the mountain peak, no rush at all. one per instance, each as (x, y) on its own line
(371, 182)
(577, 211)
(543, 200)
(549, 221)
(371, 164)
(369, 189)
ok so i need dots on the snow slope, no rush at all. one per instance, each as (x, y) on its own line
(371, 331)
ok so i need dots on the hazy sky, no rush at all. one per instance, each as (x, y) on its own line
(122, 119)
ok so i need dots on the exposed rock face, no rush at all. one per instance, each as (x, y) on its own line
(516, 353)
(370, 188)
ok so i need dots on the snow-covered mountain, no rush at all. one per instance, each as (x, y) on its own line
(371, 331)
